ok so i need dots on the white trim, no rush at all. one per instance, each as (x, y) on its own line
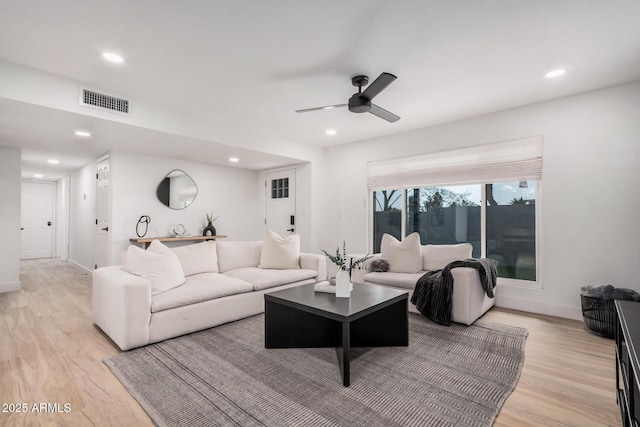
(370, 216)
(105, 156)
(539, 307)
(9, 287)
(519, 283)
(539, 233)
(403, 219)
(80, 266)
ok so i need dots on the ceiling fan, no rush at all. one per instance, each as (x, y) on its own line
(361, 102)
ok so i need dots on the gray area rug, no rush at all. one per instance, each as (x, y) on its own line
(448, 376)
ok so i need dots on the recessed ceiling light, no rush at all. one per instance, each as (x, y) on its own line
(555, 73)
(234, 159)
(330, 132)
(113, 57)
(83, 133)
(53, 161)
(37, 175)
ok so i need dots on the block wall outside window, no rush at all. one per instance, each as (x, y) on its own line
(511, 228)
(387, 215)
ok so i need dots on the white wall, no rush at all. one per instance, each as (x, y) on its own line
(590, 221)
(10, 195)
(229, 192)
(62, 218)
(10, 219)
(82, 216)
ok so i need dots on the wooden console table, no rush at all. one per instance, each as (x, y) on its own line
(146, 241)
(627, 363)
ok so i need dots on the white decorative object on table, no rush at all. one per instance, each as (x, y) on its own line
(325, 287)
(343, 282)
(345, 264)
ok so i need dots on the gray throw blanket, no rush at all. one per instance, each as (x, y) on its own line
(432, 295)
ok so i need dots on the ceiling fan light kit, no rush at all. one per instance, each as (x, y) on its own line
(360, 102)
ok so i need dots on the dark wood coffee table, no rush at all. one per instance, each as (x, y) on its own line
(299, 317)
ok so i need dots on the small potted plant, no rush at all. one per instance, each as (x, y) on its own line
(210, 228)
(345, 265)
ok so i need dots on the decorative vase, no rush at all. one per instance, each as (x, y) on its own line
(209, 230)
(343, 284)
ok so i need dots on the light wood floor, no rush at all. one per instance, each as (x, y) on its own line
(51, 353)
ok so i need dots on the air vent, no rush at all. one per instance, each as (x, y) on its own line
(106, 102)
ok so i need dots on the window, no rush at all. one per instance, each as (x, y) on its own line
(511, 228)
(453, 214)
(484, 195)
(280, 188)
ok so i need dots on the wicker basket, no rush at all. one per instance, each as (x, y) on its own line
(599, 316)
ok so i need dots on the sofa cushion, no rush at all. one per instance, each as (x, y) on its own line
(232, 255)
(280, 252)
(436, 257)
(158, 264)
(400, 280)
(403, 257)
(198, 288)
(198, 258)
(264, 278)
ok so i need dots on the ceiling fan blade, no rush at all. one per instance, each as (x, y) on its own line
(383, 114)
(326, 107)
(378, 85)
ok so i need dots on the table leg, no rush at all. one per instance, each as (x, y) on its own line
(346, 354)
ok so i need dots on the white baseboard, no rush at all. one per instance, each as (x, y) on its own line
(80, 266)
(9, 287)
(538, 307)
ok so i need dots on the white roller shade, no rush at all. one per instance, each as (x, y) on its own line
(516, 160)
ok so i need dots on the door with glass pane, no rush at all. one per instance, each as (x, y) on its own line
(280, 198)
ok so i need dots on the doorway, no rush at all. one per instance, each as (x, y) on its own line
(102, 215)
(280, 196)
(36, 219)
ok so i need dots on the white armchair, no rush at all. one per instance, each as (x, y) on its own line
(469, 300)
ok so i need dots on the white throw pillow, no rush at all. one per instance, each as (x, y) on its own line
(198, 258)
(436, 257)
(240, 254)
(403, 257)
(158, 264)
(280, 253)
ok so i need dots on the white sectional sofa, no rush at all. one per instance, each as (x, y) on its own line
(469, 300)
(222, 282)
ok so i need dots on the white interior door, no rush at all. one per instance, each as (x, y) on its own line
(281, 201)
(37, 220)
(102, 215)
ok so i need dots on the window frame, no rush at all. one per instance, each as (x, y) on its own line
(502, 281)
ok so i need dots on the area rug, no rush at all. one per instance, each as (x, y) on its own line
(448, 376)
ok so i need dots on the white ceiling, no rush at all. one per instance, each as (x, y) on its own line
(249, 64)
